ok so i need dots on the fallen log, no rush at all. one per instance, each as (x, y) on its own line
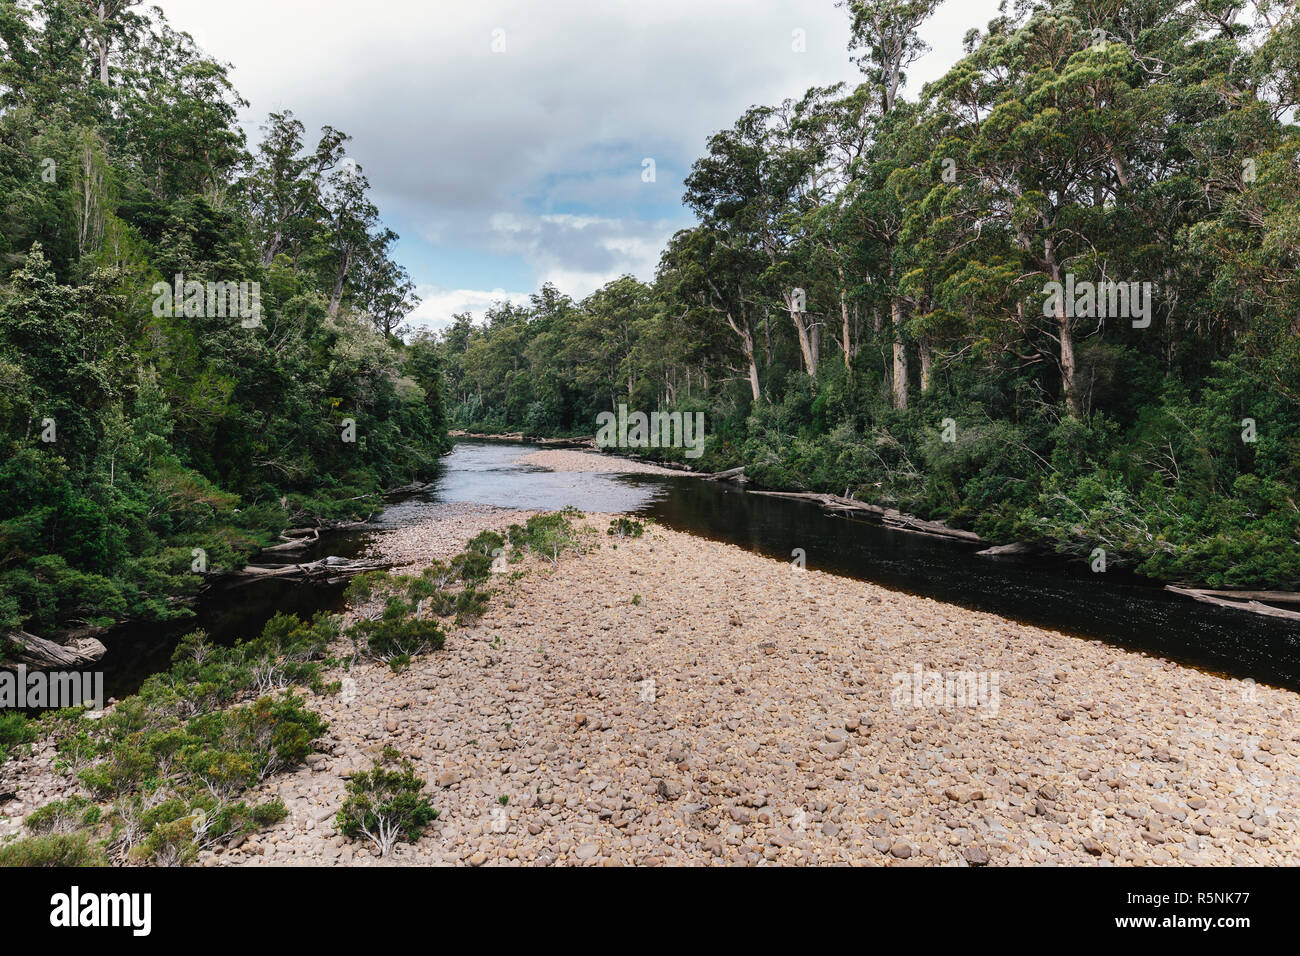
(891, 517)
(902, 522)
(294, 544)
(1275, 597)
(331, 569)
(731, 474)
(27, 648)
(832, 502)
(1255, 607)
(1015, 549)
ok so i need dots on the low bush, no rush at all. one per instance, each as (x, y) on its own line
(386, 804)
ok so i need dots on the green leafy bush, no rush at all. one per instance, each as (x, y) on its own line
(54, 849)
(386, 804)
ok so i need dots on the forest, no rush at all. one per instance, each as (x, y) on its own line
(1052, 298)
(150, 440)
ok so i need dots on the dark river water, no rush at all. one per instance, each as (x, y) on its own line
(1112, 607)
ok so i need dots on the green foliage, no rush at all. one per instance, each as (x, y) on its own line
(132, 434)
(54, 849)
(63, 816)
(386, 804)
(921, 234)
(548, 535)
(396, 634)
(622, 527)
(173, 761)
(15, 731)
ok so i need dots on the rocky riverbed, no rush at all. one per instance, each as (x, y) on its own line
(677, 701)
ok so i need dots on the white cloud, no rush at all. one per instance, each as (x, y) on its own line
(536, 152)
(439, 304)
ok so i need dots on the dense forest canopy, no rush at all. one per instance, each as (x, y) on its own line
(1053, 298)
(148, 438)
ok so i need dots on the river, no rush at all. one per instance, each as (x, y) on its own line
(1113, 607)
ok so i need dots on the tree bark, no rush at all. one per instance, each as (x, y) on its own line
(747, 347)
(1065, 332)
(805, 341)
(926, 352)
(900, 355)
(39, 652)
(846, 342)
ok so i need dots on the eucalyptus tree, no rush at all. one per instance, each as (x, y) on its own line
(1053, 128)
(107, 19)
(351, 229)
(706, 274)
(285, 186)
(755, 190)
(887, 42)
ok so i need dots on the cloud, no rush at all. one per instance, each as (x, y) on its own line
(438, 305)
(527, 162)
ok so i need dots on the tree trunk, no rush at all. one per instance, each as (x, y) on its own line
(747, 347)
(101, 12)
(805, 341)
(39, 652)
(846, 342)
(926, 352)
(336, 297)
(1065, 332)
(900, 355)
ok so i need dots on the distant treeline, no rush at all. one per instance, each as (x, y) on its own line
(1054, 299)
(147, 438)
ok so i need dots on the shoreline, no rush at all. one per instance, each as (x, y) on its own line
(1192, 589)
(590, 462)
(769, 733)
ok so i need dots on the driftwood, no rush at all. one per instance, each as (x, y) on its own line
(731, 474)
(1272, 597)
(38, 652)
(329, 569)
(895, 519)
(1016, 549)
(409, 489)
(294, 544)
(830, 502)
(1243, 600)
(890, 517)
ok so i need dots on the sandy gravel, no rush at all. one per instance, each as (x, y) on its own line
(441, 533)
(679, 701)
(557, 459)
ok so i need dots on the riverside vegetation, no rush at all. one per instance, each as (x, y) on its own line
(143, 449)
(163, 775)
(860, 309)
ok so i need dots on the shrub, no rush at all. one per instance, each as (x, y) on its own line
(386, 804)
(397, 633)
(548, 535)
(63, 816)
(15, 731)
(622, 527)
(54, 849)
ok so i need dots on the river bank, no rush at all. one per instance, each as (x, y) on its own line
(675, 700)
(594, 462)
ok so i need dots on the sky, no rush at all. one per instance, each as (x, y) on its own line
(507, 141)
